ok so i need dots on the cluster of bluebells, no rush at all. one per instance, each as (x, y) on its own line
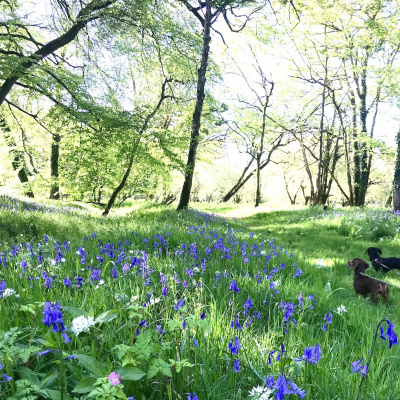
(126, 260)
(283, 386)
(52, 313)
(234, 347)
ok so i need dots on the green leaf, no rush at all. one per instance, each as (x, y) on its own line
(54, 394)
(130, 373)
(91, 365)
(75, 311)
(298, 366)
(106, 316)
(85, 385)
(29, 375)
(49, 379)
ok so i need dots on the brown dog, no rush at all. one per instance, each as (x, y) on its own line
(364, 284)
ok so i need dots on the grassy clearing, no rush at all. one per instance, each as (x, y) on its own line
(155, 291)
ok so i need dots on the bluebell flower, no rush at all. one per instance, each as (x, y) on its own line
(52, 316)
(195, 342)
(203, 315)
(192, 396)
(281, 387)
(390, 334)
(298, 272)
(67, 282)
(357, 366)
(328, 318)
(296, 390)
(236, 365)
(300, 298)
(235, 347)
(311, 297)
(164, 291)
(247, 305)
(233, 286)
(160, 330)
(2, 287)
(7, 378)
(271, 353)
(179, 305)
(313, 354)
(142, 323)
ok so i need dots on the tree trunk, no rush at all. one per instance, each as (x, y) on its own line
(146, 122)
(196, 121)
(18, 161)
(54, 164)
(396, 179)
(258, 183)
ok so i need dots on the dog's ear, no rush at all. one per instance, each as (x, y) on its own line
(367, 252)
(359, 266)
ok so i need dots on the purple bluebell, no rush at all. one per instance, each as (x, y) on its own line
(390, 334)
(52, 316)
(357, 366)
(296, 390)
(236, 365)
(281, 387)
(203, 315)
(2, 287)
(160, 330)
(179, 305)
(328, 318)
(233, 286)
(195, 342)
(192, 396)
(235, 347)
(313, 354)
(67, 282)
(311, 297)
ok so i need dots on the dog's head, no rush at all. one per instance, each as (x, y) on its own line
(373, 250)
(358, 265)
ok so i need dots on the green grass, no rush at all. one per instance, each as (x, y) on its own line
(157, 366)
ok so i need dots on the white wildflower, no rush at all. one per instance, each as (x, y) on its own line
(9, 292)
(82, 324)
(277, 283)
(263, 252)
(321, 263)
(341, 309)
(261, 393)
(196, 269)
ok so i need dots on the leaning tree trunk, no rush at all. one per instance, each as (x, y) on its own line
(144, 127)
(18, 161)
(396, 180)
(196, 121)
(54, 164)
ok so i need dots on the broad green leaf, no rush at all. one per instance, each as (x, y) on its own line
(75, 311)
(54, 394)
(130, 373)
(85, 385)
(91, 365)
(106, 316)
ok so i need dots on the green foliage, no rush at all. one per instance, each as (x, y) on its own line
(372, 225)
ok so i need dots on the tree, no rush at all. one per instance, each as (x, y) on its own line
(396, 179)
(213, 9)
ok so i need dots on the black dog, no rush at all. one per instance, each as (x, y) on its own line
(364, 284)
(382, 264)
